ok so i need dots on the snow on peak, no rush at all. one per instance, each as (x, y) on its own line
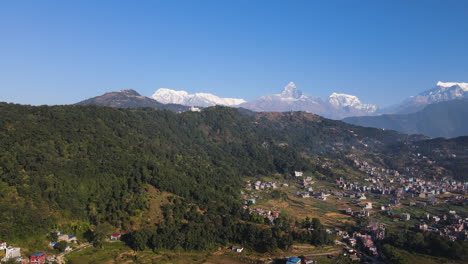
(291, 91)
(464, 86)
(338, 99)
(168, 96)
(346, 100)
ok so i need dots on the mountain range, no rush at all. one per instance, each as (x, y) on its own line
(292, 99)
(444, 119)
(443, 91)
(168, 96)
(289, 99)
(434, 112)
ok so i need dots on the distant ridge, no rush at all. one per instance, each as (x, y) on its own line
(445, 119)
(442, 92)
(129, 99)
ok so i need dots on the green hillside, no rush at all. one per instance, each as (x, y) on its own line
(93, 164)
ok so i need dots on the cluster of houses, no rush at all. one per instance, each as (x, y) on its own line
(382, 178)
(400, 188)
(271, 215)
(259, 185)
(14, 253)
(451, 226)
(63, 237)
(320, 195)
(365, 240)
(308, 190)
(11, 253)
(251, 198)
(306, 182)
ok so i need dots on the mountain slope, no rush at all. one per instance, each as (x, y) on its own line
(92, 165)
(129, 99)
(168, 96)
(446, 119)
(443, 91)
(292, 99)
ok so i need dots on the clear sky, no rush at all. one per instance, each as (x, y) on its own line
(61, 52)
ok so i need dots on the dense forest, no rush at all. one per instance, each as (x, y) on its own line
(425, 243)
(185, 228)
(93, 164)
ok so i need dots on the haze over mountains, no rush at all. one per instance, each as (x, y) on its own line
(445, 119)
(443, 91)
(439, 112)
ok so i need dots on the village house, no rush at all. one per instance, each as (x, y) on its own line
(352, 242)
(376, 230)
(421, 227)
(38, 258)
(115, 236)
(12, 252)
(237, 249)
(53, 244)
(293, 260)
(309, 261)
(66, 238)
(72, 239)
(405, 216)
(3, 245)
(298, 173)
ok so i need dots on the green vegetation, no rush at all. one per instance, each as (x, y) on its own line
(87, 169)
(427, 243)
(185, 228)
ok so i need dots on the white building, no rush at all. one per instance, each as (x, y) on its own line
(237, 249)
(298, 173)
(406, 217)
(12, 252)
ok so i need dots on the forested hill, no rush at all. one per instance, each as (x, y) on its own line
(130, 99)
(92, 163)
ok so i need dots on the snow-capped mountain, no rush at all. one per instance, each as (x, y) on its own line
(443, 91)
(292, 99)
(291, 91)
(168, 96)
(350, 101)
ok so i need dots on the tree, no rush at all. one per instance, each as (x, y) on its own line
(139, 239)
(61, 246)
(100, 233)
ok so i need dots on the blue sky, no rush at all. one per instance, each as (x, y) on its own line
(61, 52)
